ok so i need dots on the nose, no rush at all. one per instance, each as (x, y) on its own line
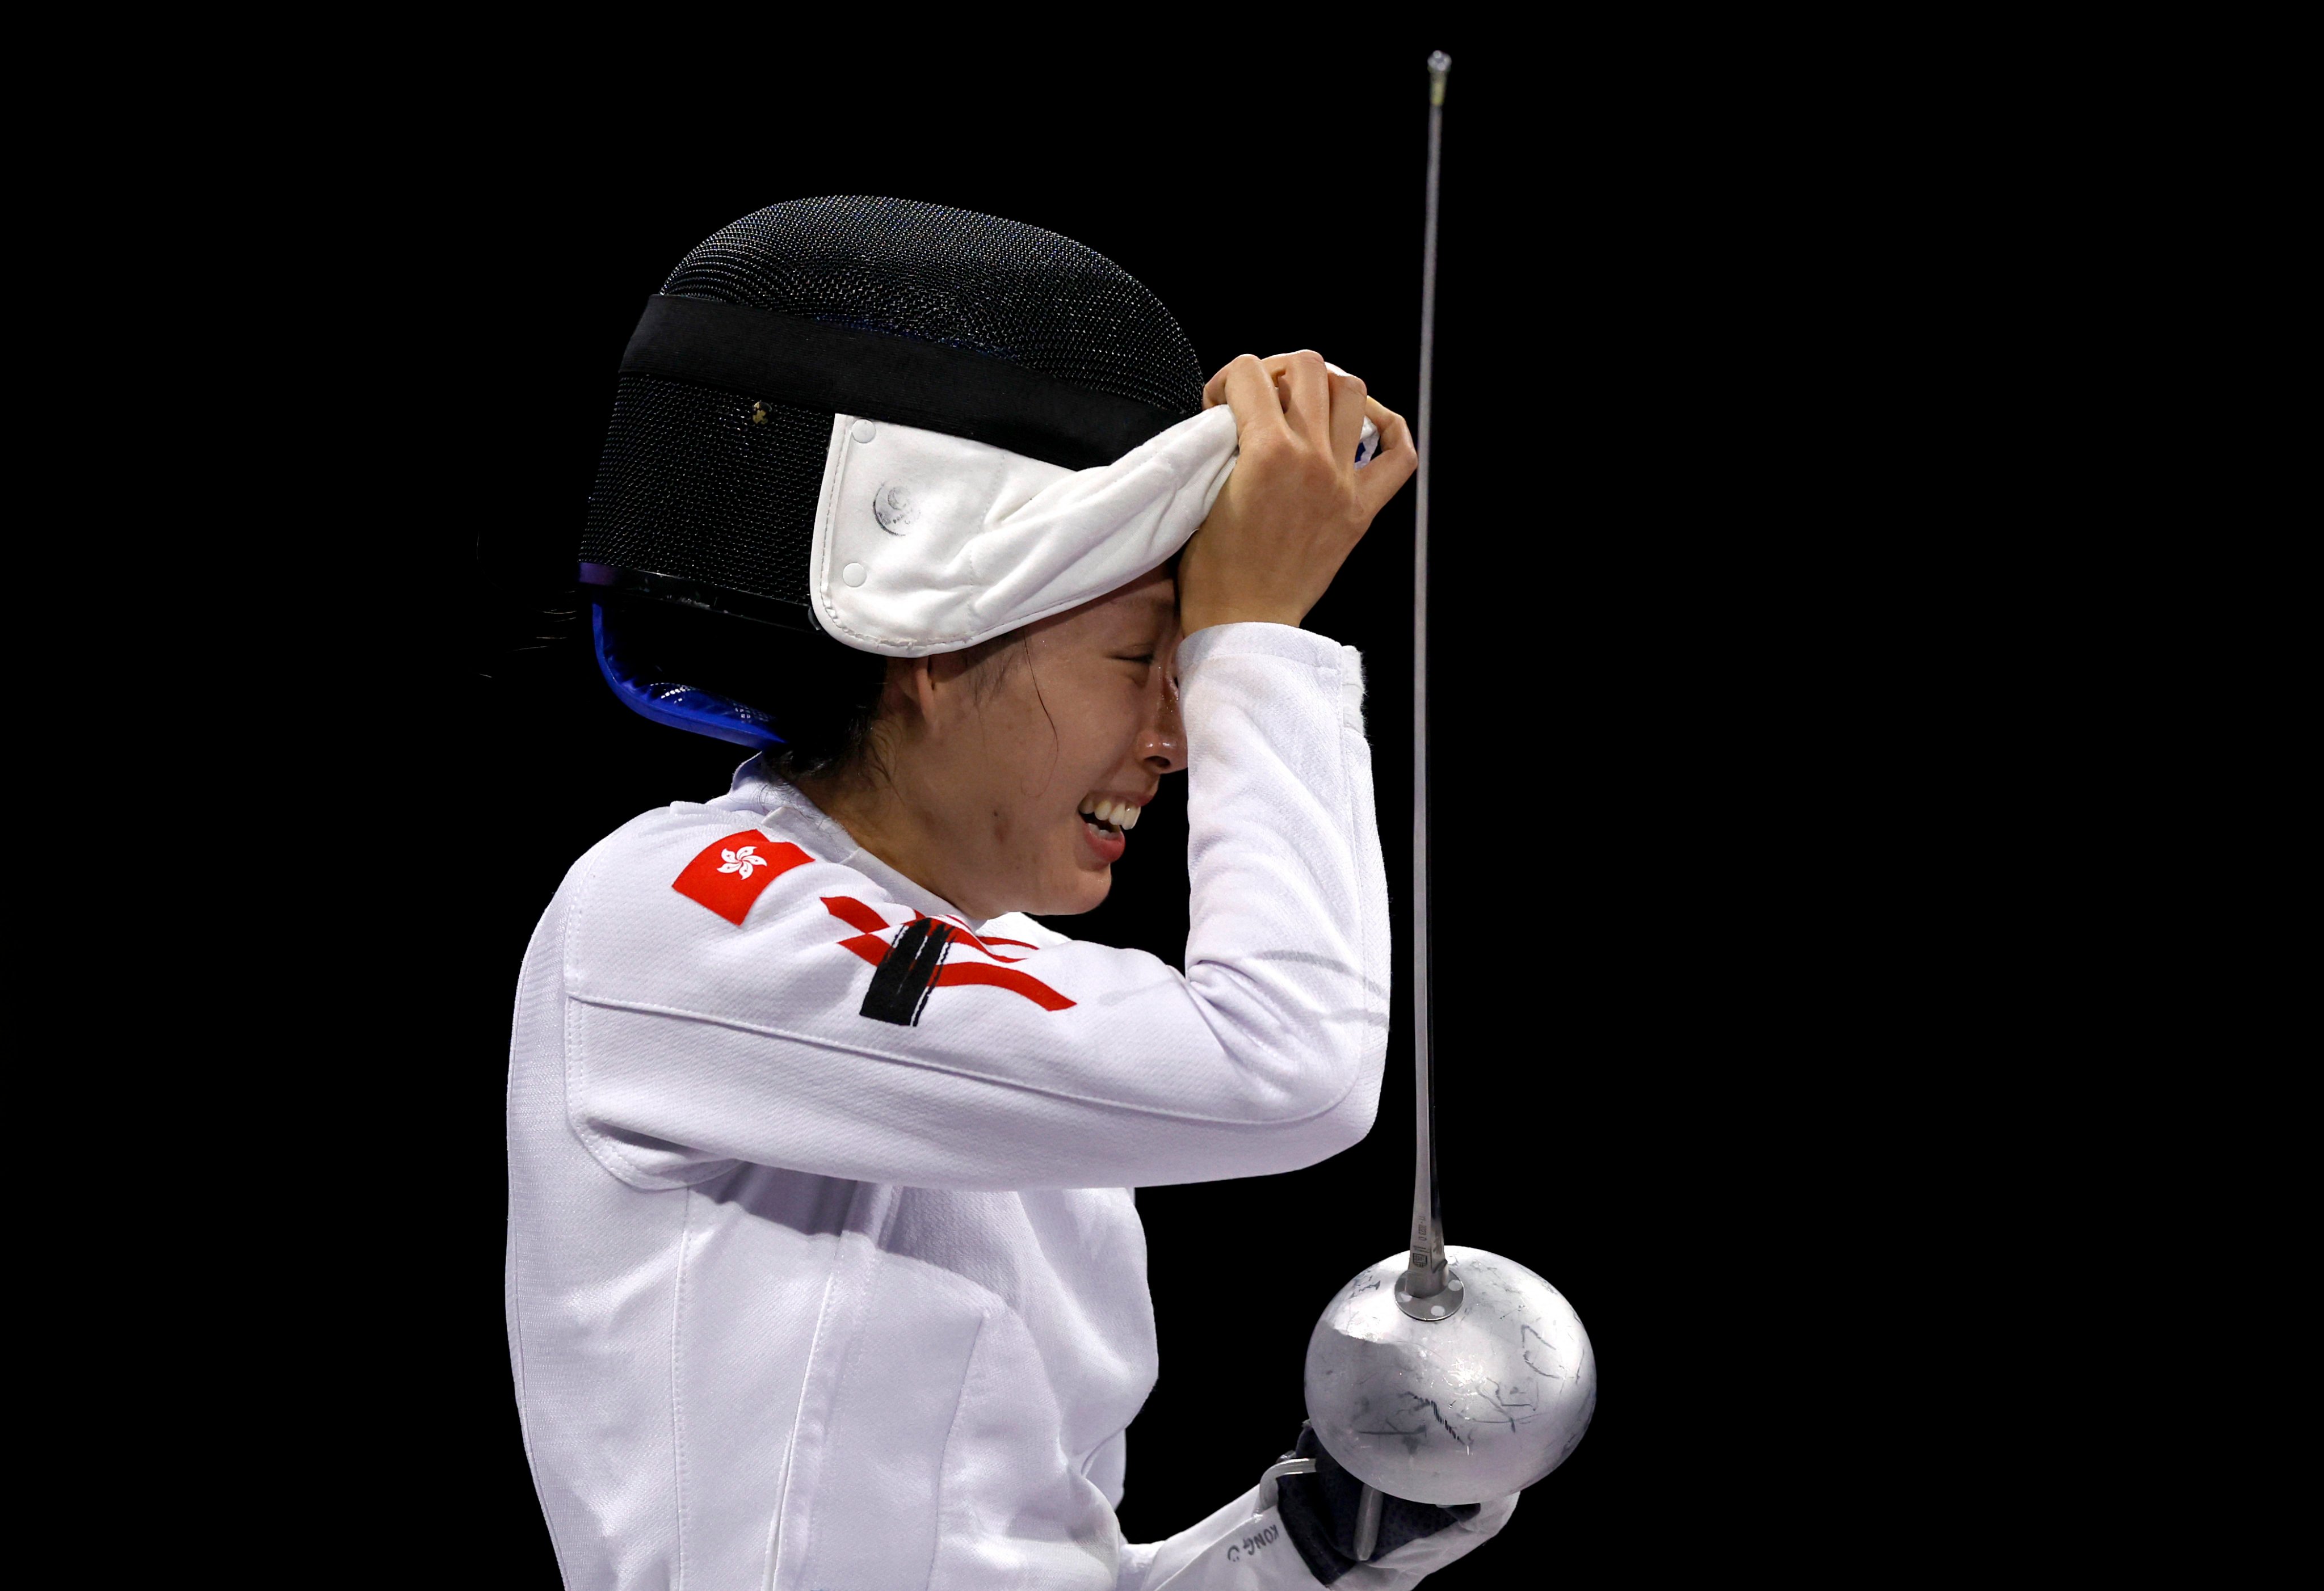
(1162, 743)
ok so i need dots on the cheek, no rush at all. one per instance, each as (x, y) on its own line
(1022, 768)
(1046, 742)
(1104, 736)
(1077, 736)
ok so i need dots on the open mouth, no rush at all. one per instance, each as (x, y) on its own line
(1108, 817)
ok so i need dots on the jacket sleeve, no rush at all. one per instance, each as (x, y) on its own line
(804, 1035)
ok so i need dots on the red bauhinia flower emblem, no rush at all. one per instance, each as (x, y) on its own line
(731, 874)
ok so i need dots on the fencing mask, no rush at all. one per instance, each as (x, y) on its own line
(897, 426)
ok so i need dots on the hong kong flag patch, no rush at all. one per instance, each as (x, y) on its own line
(730, 874)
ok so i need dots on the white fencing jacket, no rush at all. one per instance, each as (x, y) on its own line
(822, 1268)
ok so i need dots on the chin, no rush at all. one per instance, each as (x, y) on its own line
(1085, 893)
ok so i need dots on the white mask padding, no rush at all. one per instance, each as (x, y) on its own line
(927, 543)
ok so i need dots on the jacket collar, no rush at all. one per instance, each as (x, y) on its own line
(759, 788)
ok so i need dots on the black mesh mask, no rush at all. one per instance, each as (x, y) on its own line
(705, 495)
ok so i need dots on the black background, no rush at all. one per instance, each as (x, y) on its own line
(1666, 802)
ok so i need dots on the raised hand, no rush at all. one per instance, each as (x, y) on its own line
(1296, 505)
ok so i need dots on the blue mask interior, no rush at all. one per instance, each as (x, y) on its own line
(680, 706)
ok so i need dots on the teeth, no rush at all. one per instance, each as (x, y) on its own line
(1105, 809)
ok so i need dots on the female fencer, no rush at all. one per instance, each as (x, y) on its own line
(823, 1266)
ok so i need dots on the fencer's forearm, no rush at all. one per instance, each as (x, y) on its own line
(1287, 943)
(1148, 1566)
(1243, 1548)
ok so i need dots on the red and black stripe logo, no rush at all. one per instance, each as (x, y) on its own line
(901, 981)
